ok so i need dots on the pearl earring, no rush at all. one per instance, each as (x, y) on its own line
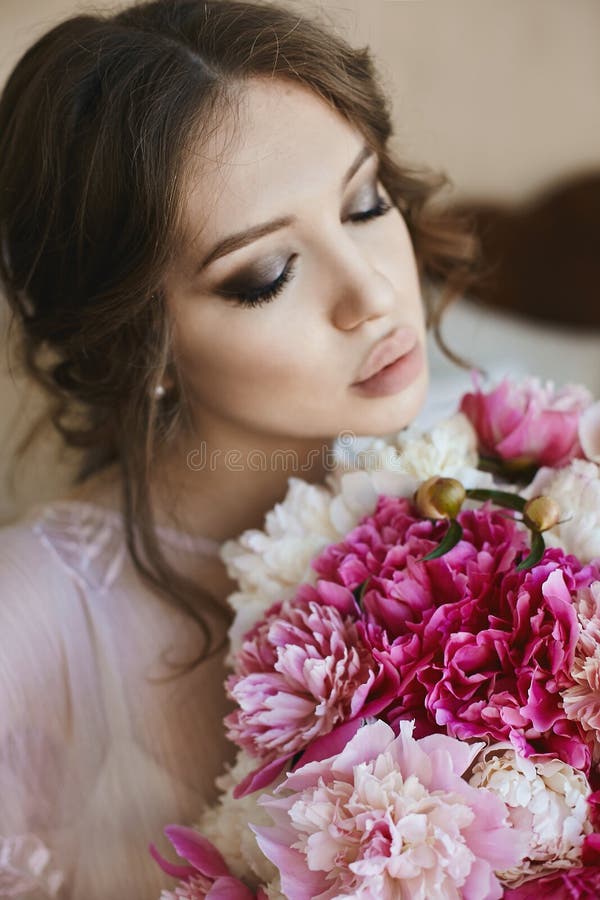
(159, 391)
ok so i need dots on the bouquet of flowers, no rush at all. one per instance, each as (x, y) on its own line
(416, 670)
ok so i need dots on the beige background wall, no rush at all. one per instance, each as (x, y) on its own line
(503, 95)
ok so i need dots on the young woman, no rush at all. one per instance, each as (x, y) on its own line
(207, 245)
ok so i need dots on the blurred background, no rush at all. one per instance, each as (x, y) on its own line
(504, 98)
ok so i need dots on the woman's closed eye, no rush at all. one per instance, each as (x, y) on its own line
(256, 296)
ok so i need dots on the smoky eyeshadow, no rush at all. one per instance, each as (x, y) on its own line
(254, 278)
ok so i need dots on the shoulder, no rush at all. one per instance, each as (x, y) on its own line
(36, 684)
(49, 616)
(61, 544)
(33, 591)
(34, 596)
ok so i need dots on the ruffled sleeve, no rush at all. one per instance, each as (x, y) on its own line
(97, 751)
(33, 727)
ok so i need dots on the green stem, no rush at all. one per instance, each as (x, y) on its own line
(450, 540)
(537, 551)
(500, 498)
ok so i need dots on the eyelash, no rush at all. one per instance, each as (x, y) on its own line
(265, 295)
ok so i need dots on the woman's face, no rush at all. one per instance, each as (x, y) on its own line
(286, 368)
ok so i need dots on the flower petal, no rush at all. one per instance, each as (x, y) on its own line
(199, 852)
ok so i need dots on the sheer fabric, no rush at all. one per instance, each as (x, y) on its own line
(95, 756)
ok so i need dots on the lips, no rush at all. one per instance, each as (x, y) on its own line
(397, 344)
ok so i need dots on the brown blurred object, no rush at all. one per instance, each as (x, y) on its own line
(542, 258)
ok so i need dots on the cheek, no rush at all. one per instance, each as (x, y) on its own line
(406, 275)
(239, 349)
(401, 253)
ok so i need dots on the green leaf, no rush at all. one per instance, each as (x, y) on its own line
(500, 498)
(537, 551)
(360, 589)
(450, 540)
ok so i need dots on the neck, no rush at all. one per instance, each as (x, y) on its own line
(219, 490)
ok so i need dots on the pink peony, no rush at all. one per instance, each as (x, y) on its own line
(481, 649)
(579, 883)
(305, 669)
(581, 699)
(389, 817)
(206, 876)
(527, 423)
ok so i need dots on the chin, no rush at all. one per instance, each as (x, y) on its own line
(387, 415)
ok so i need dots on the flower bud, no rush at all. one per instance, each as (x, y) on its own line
(440, 498)
(541, 513)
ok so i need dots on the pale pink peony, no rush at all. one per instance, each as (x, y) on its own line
(305, 669)
(582, 698)
(206, 875)
(581, 882)
(547, 799)
(528, 423)
(389, 817)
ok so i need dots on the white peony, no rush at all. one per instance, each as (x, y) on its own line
(397, 468)
(226, 825)
(270, 564)
(295, 529)
(357, 494)
(448, 449)
(546, 799)
(589, 432)
(576, 489)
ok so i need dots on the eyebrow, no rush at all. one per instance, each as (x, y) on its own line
(243, 238)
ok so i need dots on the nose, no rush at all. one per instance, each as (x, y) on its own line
(359, 289)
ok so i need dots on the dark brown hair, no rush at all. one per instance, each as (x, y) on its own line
(94, 124)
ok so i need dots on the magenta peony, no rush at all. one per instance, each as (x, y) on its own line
(482, 651)
(388, 547)
(501, 669)
(389, 817)
(579, 883)
(206, 875)
(527, 423)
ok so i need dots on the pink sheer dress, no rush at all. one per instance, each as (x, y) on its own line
(96, 756)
